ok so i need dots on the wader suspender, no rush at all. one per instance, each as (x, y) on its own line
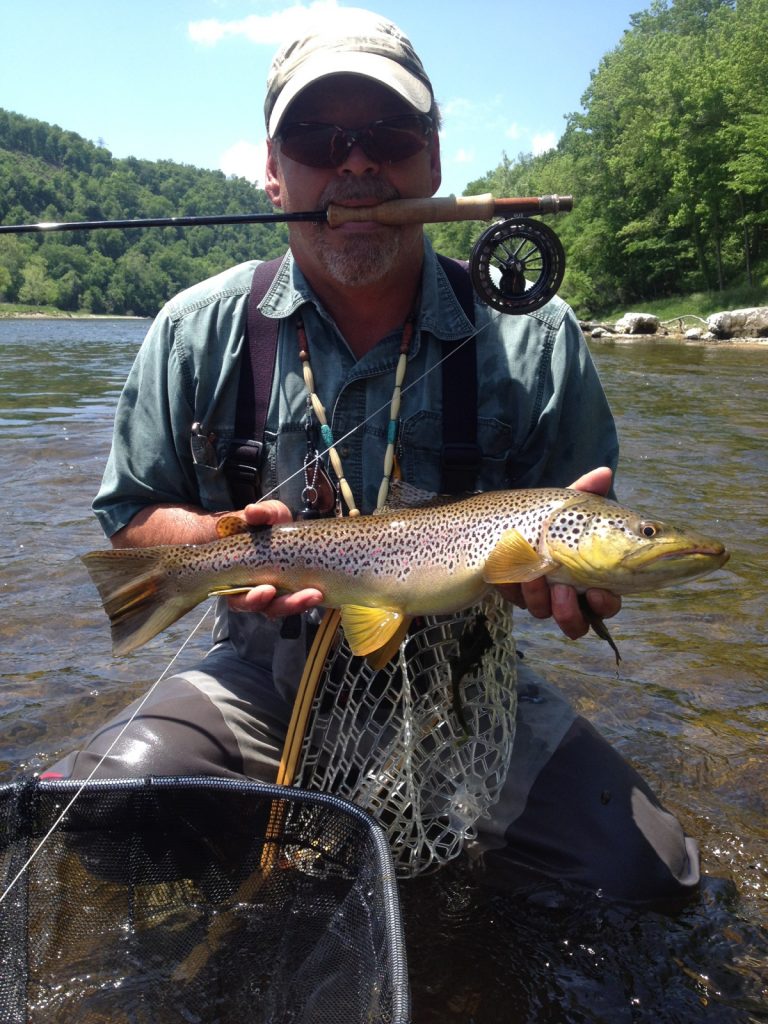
(257, 368)
(460, 457)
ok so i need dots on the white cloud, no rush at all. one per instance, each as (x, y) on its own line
(458, 107)
(245, 160)
(463, 156)
(543, 142)
(513, 131)
(268, 29)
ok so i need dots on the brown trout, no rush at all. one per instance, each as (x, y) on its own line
(383, 570)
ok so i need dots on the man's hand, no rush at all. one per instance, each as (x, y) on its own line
(557, 600)
(264, 598)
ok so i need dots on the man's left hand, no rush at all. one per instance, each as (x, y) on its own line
(558, 601)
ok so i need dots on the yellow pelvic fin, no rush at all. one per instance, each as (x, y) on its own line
(513, 560)
(229, 525)
(369, 629)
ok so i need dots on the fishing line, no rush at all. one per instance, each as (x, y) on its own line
(39, 848)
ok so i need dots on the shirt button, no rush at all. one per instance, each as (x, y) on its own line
(344, 451)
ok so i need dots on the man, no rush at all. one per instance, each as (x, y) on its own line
(351, 120)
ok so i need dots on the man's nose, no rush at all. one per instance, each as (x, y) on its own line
(357, 161)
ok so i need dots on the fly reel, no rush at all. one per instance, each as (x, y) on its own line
(517, 265)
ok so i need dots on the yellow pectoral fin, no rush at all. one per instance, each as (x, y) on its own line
(368, 629)
(513, 560)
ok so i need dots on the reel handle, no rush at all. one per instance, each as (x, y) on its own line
(447, 208)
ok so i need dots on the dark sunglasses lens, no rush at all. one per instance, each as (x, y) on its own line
(395, 140)
(309, 144)
(320, 145)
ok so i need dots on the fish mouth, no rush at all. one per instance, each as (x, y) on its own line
(714, 554)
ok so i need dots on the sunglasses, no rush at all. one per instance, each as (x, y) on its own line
(328, 145)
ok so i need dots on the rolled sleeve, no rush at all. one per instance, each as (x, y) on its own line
(574, 430)
(186, 371)
(147, 464)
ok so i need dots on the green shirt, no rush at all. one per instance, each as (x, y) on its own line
(543, 418)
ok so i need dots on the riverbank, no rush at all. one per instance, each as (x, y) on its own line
(14, 313)
(650, 339)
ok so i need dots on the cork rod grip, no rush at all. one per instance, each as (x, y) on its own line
(447, 208)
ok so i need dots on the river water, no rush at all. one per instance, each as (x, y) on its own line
(689, 706)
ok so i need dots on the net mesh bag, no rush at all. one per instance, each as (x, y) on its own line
(423, 744)
(196, 900)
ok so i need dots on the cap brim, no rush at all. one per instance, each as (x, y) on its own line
(370, 65)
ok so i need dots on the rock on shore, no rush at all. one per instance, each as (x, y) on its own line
(740, 323)
(736, 323)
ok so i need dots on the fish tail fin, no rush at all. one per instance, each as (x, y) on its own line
(139, 594)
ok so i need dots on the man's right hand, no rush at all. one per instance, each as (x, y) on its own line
(265, 598)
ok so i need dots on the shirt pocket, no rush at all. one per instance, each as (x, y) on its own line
(283, 465)
(421, 444)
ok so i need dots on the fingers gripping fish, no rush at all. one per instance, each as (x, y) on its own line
(383, 570)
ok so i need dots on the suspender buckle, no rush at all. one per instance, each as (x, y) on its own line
(242, 469)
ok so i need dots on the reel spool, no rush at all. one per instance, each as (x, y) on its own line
(530, 261)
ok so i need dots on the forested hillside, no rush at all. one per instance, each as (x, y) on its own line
(47, 174)
(667, 161)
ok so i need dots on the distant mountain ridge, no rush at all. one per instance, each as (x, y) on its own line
(50, 174)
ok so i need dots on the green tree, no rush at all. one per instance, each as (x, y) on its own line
(37, 287)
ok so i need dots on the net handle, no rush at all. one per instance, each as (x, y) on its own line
(297, 727)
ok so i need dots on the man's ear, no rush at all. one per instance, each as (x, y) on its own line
(272, 176)
(435, 165)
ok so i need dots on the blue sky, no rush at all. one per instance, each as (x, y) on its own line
(184, 79)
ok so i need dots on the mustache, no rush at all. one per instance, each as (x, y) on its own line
(356, 190)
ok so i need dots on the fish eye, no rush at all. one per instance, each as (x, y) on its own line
(648, 529)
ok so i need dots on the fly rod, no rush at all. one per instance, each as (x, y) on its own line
(396, 211)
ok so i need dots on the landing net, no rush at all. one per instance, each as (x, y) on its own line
(423, 744)
(169, 901)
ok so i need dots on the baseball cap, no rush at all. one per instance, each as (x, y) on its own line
(357, 42)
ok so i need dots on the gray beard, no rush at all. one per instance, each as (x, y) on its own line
(363, 260)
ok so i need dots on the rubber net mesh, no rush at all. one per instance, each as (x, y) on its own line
(167, 901)
(423, 744)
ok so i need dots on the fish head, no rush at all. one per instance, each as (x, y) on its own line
(599, 543)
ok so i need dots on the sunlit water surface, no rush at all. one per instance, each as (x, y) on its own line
(689, 706)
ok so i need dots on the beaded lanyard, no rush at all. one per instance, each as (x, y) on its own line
(394, 413)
